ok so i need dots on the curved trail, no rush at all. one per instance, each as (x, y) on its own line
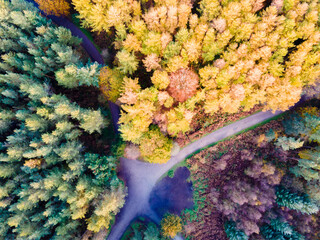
(141, 177)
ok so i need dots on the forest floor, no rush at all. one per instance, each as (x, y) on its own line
(203, 123)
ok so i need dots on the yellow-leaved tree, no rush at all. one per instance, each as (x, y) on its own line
(171, 225)
(222, 57)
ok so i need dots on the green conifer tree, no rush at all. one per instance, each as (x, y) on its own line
(233, 233)
(298, 202)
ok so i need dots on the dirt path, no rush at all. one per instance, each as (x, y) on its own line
(141, 177)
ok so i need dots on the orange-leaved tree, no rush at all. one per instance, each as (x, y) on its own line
(54, 7)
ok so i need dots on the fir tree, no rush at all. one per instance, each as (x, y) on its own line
(233, 233)
(45, 179)
(279, 230)
(295, 201)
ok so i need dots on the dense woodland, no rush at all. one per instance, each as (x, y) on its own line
(260, 185)
(48, 177)
(175, 68)
(178, 56)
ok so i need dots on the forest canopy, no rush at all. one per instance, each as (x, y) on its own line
(47, 177)
(176, 57)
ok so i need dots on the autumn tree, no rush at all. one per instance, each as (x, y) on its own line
(183, 84)
(222, 56)
(54, 7)
(171, 225)
(102, 16)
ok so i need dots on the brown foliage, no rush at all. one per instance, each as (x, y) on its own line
(183, 84)
(213, 170)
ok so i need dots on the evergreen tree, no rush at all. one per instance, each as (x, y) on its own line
(233, 233)
(295, 201)
(30, 45)
(46, 178)
(279, 230)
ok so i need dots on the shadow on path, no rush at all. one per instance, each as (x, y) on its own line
(172, 194)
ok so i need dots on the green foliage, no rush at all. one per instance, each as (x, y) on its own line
(92, 121)
(295, 201)
(127, 62)
(32, 46)
(287, 143)
(195, 213)
(308, 165)
(72, 76)
(171, 173)
(143, 230)
(303, 126)
(46, 179)
(279, 230)
(104, 169)
(233, 233)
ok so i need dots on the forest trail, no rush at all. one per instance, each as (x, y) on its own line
(141, 177)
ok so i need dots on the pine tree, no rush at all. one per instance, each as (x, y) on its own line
(233, 233)
(295, 201)
(45, 178)
(73, 76)
(279, 230)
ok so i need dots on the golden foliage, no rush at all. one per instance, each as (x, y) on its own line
(155, 147)
(102, 15)
(110, 82)
(313, 111)
(171, 225)
(54, 7)
(108, 207)
(33, 163)
(230, 55)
